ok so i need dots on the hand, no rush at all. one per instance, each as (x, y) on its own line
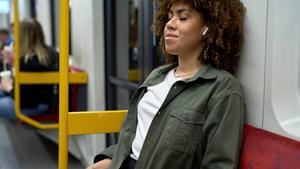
(8, 55)
(103, 164)
(6, 84)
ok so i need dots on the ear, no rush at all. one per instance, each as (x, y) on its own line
(204, 30)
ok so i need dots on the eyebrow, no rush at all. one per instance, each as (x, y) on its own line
(179, 11)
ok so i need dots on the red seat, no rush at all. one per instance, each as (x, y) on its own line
(265, 150)
(46, 118)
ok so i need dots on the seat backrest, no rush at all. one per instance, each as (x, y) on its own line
(265, 150)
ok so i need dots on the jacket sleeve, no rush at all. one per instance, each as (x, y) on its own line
(222, 132)
(106, 153)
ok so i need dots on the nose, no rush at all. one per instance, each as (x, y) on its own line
(171, 24)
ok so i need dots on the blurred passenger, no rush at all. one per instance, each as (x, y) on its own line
(11, 29)
(5, 38)
(189, 113)
(35, 56)
(6, 48)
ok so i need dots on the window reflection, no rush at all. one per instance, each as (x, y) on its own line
(126, 39)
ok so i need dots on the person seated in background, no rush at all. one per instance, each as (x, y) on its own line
(5, 38)
(35, 56)
(6, 47)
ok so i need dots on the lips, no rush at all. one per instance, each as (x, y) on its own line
(170, 35)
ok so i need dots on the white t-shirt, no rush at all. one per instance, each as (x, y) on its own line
(147, 109)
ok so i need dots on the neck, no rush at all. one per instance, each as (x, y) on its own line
(188, 59)
(188, 65)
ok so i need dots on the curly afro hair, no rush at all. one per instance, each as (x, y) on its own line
(223, 40)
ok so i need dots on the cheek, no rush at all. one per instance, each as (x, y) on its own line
(192, 30)
(192, 36)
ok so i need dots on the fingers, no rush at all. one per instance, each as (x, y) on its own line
(103, 164)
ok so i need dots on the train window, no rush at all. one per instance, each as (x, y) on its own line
(4, 6)
(129, 48)
(126, 39)
(4, 13)
(282, 110)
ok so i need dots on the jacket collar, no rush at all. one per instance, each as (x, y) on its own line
(207, 72)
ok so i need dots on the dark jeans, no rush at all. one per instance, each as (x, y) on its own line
(7, 108)
(129, 163)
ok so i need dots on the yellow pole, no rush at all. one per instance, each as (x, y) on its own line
(63, 85)
(16, 57)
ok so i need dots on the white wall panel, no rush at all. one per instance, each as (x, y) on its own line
(252, 64)
(88, 52)
(4, 20)
(43, 16)
(24, 9)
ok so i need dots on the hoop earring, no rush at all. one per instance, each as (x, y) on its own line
(205, 53)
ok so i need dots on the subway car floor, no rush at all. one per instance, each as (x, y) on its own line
(22, 148)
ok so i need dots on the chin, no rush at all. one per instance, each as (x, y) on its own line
(171, 51)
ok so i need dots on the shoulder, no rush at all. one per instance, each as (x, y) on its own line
(226, 84)
(53, 58)
(227, 95)
(51, 51)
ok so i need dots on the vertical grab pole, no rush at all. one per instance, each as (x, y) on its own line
(63, 85)
(16, 57)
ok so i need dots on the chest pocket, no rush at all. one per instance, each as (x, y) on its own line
(183, 129)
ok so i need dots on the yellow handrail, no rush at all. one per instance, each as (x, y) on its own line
(77, 122)
(17, 77)
(92, 122)
(34, 77)
(51, 78)
(63, 85)
(16, 60)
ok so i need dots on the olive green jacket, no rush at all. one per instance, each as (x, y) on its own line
(199, 125)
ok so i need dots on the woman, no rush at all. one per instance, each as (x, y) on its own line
(35, 56)
(189, 113)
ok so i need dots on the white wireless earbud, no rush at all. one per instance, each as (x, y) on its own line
(205, 30)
